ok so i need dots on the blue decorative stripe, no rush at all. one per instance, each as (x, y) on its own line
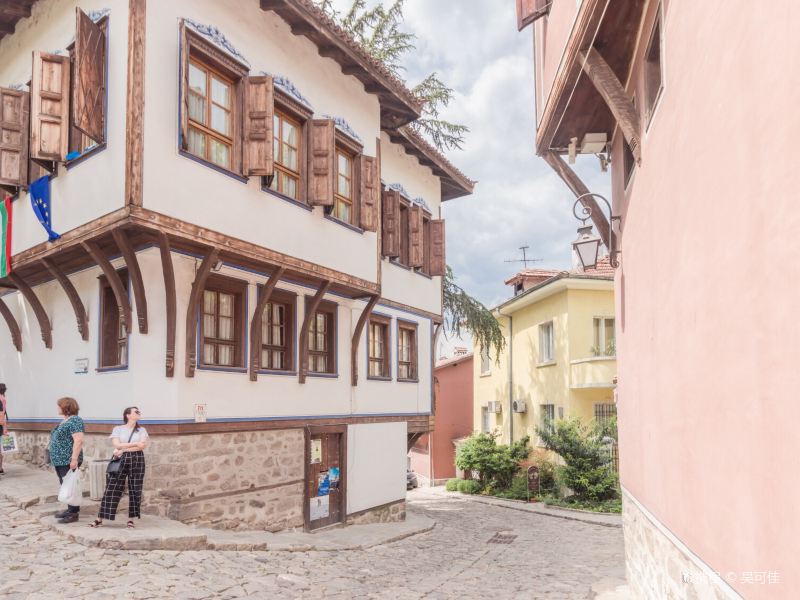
(344, 127)
(285, 84)
(419, 200)
(232, 419)
(216, 37)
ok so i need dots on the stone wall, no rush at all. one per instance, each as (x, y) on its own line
(388, 513)
(250, 480)
(660, 567)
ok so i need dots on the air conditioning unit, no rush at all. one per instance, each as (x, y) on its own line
(494, 406)
(519, 406)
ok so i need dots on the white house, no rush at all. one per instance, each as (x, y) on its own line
(250, 251)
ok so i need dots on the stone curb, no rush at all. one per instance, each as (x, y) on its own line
(548, 512)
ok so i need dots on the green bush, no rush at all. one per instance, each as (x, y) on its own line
(496, 464)
(518, 489)
(587, 471)
(609, 506)
(548, 482)
(452, 485)
(468, 486)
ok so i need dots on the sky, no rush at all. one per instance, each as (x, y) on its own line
(518, 201)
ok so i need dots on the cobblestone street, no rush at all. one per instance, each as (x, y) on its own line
(548, 558)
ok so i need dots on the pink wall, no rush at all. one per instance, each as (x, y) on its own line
(453, 419)
(708, 296)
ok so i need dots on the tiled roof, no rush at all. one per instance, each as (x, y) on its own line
(603, 268)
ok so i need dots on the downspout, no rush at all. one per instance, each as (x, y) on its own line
(510, 376)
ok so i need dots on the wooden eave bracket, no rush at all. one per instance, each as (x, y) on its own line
(41, 316)
(311, 310)
(609, 87)
(13, 326)
(191, 311)
(72, 294)
(123, 302)
(576, 185)
(124, 245)
(170, 300)
(255, 323)
(362, 321)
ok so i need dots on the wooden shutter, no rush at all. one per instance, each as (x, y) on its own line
(529, 11)
(391, 223)
(416, 248)
(369, 193)
(184, 86)
(49, 107)
(14, 107)
(321, 162)
(438, 264)
(88, 89)
(258, 111)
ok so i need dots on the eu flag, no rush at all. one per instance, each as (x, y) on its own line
(40, 201)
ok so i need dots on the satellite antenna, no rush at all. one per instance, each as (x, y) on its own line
(525, 260)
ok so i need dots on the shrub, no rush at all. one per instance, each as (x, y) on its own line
(468, 486)
(548, 483)
(495, 463)
(587, 471)
(452, 485)
(518, 489)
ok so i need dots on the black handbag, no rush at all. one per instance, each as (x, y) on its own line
(115, 464)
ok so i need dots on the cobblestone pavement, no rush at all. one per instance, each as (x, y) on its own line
(548, 558)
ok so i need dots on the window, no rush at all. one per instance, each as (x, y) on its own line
(484, 419)
(486, 363)
(546, 343)
(404, 258)
(222, 323)
(277, 332)
(211, 113)
(286, 151)
(604, 337)
(603, 413)
(548, 416)
(653, 82)
(113, 334)
(343, 208)
(321, 341)
(407, 352)
(378, 348)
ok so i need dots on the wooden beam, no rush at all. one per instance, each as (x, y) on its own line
(171, 303)
(13, 326)
(134, 137)
(412, 439)
(578, 188)
(614, 95)
(352, 69)
(38, 309)
(124, 244)
(255, 324)
(362, 320)
(311, 309)
(120, 294)
(74, 299)
(191, 312)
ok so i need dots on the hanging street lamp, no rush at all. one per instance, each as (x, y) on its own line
(587, 245)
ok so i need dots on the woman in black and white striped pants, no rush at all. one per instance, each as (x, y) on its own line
(131, 469)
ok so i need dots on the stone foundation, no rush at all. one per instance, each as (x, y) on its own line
(387, 513)
(658, 566)
(251, 480)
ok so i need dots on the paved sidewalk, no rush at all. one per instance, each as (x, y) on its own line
(36, 492)
(539, 508)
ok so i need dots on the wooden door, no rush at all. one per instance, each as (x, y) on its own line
(325, 477)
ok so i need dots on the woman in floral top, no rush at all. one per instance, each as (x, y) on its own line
(66, 449)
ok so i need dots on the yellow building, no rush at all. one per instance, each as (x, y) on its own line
(560, 355)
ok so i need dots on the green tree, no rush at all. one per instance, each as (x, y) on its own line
(587, 471)
(378, 31)
(496, 464)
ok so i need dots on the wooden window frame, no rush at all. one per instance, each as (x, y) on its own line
(282, 118)
(384, 322)
(238, 288)
(403, 325)
(212, 57)
(404, 212)
(300, 114)
(653, 96)
(331, 310)
(76, 137)
(350, 147)
(108, 302)
(289, 301)
(425, 269)
(209, 133)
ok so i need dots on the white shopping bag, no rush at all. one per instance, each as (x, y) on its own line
(71, 489)
(8, 443)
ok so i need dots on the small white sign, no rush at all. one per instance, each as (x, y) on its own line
(81, 366)
(316, 451)
(319, 507)
(199, 413)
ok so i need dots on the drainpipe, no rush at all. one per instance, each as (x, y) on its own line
(510, 376)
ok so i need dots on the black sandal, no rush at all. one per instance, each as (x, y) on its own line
(96, 523)
(131, 525)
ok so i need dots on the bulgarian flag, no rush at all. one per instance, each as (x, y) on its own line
(5, 237)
